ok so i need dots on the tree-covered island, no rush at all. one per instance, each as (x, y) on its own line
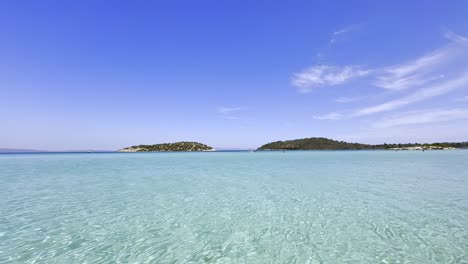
(320, 143)
(165, 147)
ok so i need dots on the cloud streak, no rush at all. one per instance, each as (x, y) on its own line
(340, 32)
(325, 75)
(454, 37)
(422, 94)
(229, 110)
(414, 73)
(422, 70)
(229, 113)
(330, 116)
(423, 117)
(409, 75)
(432, 75)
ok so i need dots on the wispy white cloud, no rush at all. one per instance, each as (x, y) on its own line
(450, 35)
(422, 70)
(404, 82)
(422, 94)
(429, 76)
(229, 113)
(423, 117)
(229, 110)
(336, 34)
(329, 116)
(412, 74)
(435, 90)
(409, 75)
(422, 133)
(325, 75)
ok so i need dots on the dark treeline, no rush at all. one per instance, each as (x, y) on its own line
(330, 144)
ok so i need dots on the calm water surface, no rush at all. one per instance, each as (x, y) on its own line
(268, 207)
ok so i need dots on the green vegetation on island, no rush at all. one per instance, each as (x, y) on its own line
(419, 146)
(310, 144)
(320, 143)
(177, 146)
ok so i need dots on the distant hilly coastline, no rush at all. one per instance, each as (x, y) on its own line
(9, 150)
(320, 143)
(168, 147)
(313, 143)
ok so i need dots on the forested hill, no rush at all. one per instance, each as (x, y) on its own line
(318, 143)
(312, 143)
(177, 146)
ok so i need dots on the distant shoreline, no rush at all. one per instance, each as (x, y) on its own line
(303, 144)
(217, 151)
(53, 152)
(115, 151)
(320, 143)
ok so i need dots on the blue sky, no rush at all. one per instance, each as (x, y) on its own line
(231, 74)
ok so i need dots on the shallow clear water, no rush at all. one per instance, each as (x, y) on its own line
(267, 207)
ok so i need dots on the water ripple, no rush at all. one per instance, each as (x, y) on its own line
(344, 207)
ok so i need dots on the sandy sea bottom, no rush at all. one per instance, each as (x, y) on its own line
(239, 207)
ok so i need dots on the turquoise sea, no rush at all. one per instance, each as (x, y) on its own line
(235, 207)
